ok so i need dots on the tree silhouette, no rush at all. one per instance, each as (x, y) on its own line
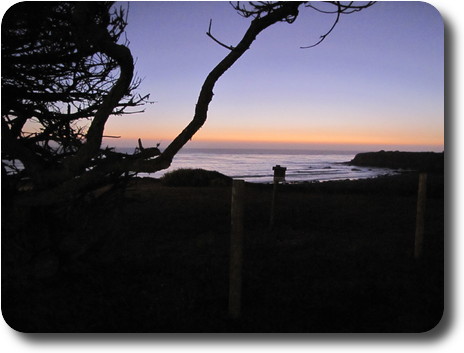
(62, 64)
(63, 75)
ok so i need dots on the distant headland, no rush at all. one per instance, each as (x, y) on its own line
(420, 161)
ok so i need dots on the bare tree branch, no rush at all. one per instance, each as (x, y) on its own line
(217, 41)
(342, 9)
(282, 12)
(324, 36)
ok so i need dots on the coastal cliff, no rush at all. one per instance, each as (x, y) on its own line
(420, 161)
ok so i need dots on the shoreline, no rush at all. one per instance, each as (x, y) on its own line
(361, 166)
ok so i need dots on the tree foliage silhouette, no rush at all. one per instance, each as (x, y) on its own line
(63, 75)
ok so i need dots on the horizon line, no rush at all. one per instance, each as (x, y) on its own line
(279, 145)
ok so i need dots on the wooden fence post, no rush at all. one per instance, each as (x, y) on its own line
(273, 206)
(236, 249)
(420, 215)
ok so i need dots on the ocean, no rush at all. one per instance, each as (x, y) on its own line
(256, 165)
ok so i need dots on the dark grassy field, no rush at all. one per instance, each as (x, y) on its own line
(154, 258)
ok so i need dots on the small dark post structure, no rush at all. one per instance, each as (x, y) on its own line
(420, 216)
(279, 176)
(236, 250)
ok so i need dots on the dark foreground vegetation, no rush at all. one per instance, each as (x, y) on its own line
(154, 258)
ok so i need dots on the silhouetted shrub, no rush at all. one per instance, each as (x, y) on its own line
(195, 177)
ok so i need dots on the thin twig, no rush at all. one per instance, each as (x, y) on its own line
(324, 36)
(230, 47)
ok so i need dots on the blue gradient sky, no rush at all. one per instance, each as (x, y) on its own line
(377, 82)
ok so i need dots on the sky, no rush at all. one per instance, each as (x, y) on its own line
(377, 82)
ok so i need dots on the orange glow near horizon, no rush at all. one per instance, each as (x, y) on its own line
(320, 136)
(346, 141)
